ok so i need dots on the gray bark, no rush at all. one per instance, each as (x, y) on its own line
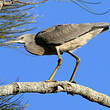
(55, 87)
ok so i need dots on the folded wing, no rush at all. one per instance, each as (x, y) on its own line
(61, 34)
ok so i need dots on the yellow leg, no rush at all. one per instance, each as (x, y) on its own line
(76, 66)
(58, 65)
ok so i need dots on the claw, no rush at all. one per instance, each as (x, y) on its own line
(51, 81)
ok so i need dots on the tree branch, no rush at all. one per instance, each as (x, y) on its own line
(18, 1)
(7, 3)
(29, 3)
(55, 87)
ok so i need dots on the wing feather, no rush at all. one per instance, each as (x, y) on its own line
(60, 34)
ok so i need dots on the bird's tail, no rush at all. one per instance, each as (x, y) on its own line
(105, 26)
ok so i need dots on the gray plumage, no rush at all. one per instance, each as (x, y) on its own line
(61, 34)
(59, 39)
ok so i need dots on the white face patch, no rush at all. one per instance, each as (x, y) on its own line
(79, 41)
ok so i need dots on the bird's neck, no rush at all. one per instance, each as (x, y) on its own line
(33, 48)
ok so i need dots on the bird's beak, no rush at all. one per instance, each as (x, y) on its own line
(14, 41)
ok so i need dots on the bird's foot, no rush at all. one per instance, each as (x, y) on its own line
(71, 93)
(73, 82)
(50, 81)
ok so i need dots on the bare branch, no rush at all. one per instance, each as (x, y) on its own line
(29, 3)
(18, 1)
(7, 3)
(1, 4)
(55, 87)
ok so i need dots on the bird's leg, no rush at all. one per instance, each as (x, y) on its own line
(76, 66)
(58, 65)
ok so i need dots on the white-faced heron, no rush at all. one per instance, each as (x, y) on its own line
(60, 38)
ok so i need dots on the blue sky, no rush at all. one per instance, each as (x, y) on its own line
(93, 71)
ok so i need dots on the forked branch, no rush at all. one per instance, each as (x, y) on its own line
(55, 87)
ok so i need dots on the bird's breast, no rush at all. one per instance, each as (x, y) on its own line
(40, 49)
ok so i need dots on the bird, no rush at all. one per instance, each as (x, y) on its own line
(59, 39)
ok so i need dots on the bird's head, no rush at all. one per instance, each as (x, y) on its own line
(26, 38)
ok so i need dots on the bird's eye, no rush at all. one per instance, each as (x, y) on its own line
(22, 37)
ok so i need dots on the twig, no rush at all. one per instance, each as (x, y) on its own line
(29, 3)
